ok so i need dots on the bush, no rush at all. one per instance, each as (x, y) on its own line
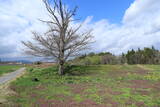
(37, 63)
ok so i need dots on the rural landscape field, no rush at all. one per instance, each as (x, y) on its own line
(88, 86)
(80, 53)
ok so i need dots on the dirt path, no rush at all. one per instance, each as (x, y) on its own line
(4, 84)
(11, 76)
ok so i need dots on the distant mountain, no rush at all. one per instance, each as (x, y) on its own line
(18, 60)
(24, 61)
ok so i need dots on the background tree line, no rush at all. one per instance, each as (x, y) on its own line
(144, 56)
(140, 56)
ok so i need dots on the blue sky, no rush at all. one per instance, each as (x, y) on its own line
(113, 10)
(118, 25)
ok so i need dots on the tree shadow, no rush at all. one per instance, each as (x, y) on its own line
(79, 70)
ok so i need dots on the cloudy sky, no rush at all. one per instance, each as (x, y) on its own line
(119, 25)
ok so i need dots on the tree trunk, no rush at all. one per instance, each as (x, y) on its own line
(61, 69)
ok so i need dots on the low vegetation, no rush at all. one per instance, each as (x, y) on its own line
(8, 68)
(88, 86)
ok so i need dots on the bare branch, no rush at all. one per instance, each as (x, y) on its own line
(61, 40)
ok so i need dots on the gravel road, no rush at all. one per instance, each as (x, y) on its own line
(11, 76)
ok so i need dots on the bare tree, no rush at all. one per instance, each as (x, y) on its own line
(62, 40)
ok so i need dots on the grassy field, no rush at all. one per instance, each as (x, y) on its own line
(89, 86)
(8, 68)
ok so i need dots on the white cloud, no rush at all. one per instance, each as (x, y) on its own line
(140, 26)
(17, 19)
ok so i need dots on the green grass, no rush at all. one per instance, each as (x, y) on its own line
(8, 68)
(104, 85)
